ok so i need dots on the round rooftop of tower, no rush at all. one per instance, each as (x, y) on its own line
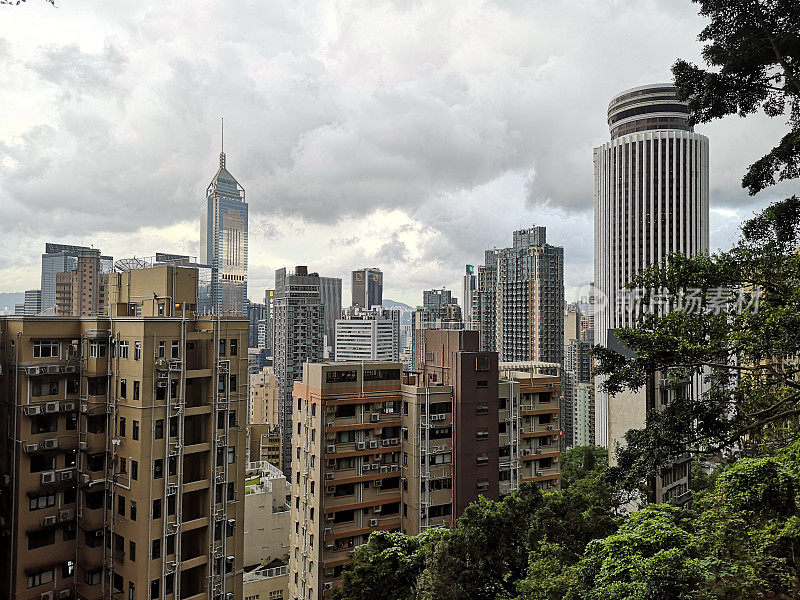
(647, 107)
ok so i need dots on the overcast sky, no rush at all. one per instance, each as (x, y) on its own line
(407, 135)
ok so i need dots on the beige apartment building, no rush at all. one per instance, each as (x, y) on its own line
(377, 449)
(82, 293)
(264, 393)
(123, 461)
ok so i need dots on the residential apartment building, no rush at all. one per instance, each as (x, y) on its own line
(484, 302)
(468, 283)
(256, 313)
(63, 258)
(265, 444)
(124, 471)
(264, 397)
(374, 449)
(82, 291)
(299, 338)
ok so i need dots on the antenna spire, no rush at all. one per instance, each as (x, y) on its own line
(222, 143)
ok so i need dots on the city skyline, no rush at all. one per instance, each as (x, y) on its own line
(325, 186)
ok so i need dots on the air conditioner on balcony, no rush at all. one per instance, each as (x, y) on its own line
(378, 483)
(69, 407)
(330, 448)
(32, 370)
(53, 369)
(83, 445)
(161, 384)
(85, 478)
(67, 475)
(32, 410)
(365, 468)
(64, 594)
(51, 407)
(70, 369)
(375, 417)
(327, 585)
(31, 447)
(329, 489)
(385, 443)
(66, 515)
(327, 531)
(84, 407)
(376, 466)
(46, 596)
(51, 520)
(373, 522)
(329, 475)
(361, 446)
(51, 443)
(395, 441)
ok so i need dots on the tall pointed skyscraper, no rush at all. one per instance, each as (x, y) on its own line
(223, 234)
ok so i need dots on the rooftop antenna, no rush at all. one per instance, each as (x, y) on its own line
(222, 143)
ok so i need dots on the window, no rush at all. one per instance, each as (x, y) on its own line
(73, 385)
(123, 388)
(40, 502)
(171, 544)
(341, 376)
(44, 424)
(122, 427)
(96, 386)
(176, 349)
(381, 374)
(45, 537)
(137, 350)
(135, 423)
(344, 516)
(222, 347)
(46, 349)
(346, 410)
(93, 577)
(124, 348)
(155, 549)
(158, 468)
(121, 505)
(134, 470)
(44, 386)
(158, 430)
(234, 347)
(133, 510)
(482, 363)
(162, 349)
(441, 459)
(342, 437)
(482, 408)
(97, 349)
(157, 508)
(68, 569)
(136, 387)
(171, 505)
(132, 551)
(155, 588)
(481, 384)
(231, 454)
(346, 463)
(41, 578)
(160, 309)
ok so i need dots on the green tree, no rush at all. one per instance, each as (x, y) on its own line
(582, 461)
(388, 566)
(752, 49)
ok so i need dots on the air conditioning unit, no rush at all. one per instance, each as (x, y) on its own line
(70, 369)
(385, 442)
(69, 407)
(51, 407)
(64, 594)
(327, 585)
(378, 483)
(376, 466)
(163, 375)
(330, 448)
(32, 370)
(550, 428)
(53, 369)
(361, 446)
(395, 441)
(32, 410)
(365, 468)
(50, 520)
(330, 424)
(526, 452)
(31, 448)
(84, 407)
(66, 515)
(83, 445)
(377, 509)
(327, 531)
(373, 522)
(551, 384)
(51, 443)
(375, 417)
(46, 596)
(229, 596)
(373, 444)
(394, 468)
(172, 488)
(85, 478)
(161, 384)
(539, 473)
(67, 475)
(384, 468)
(329, 475)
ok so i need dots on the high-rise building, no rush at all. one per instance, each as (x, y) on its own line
(381, 451)
(439, 310)
(256, 313)
(269, 321)
(33, 302)
(264, 398)
(367, 287)
(367, 335)
(484, 302)
(63, 258)
(330, 293)
(530, 299)
(650, 199)
(82, 291)
(125, 477)
(223, 237)
(299, 338)
(468, 283)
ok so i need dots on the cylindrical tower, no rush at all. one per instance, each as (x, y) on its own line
(650, 198)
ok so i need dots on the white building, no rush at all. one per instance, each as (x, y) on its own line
(650, 198)
(366, 339)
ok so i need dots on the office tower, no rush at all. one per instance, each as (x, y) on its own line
(128, 478)
(530, 299)
(223, 236)
(650, 198)
(19, 309)
(299, 338)
(438, 299)
(330, 293)
(363, 334)
(269, 321)
(255, 313)
(380, 451)
(33, 302)
(367, 287)
(439, 310)
(484, 302)
(264, 397)
(468, 283)
(63, 258)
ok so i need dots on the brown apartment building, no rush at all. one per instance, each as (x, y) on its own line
(378, 449)
(122, 453)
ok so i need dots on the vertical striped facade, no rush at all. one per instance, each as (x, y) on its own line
(650, 199)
